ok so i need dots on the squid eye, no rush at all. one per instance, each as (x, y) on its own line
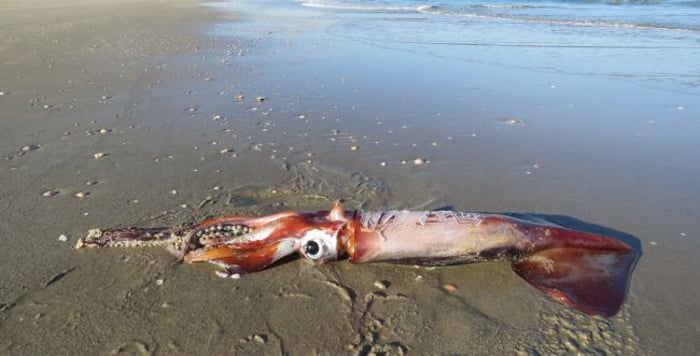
(313, 249)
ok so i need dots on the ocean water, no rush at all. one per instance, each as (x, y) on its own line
(674, 15)
(657, 41)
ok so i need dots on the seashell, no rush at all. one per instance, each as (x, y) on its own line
(49, 193)
(419, 161)
(28, 148)
(450, 287)
(382, 285)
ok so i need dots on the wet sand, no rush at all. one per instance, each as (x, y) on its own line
(148, 113)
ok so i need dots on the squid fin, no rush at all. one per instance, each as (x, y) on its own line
(586, 271)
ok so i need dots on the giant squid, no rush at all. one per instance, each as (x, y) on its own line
(587, 271)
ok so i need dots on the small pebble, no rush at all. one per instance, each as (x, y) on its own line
(104, 131)
(381, 285)
(91, 182)
(81, 194)
(235, 276)
(653, 243)
(684, 234)
(383, 164)
(260, 339)
(63, 238)
(173, 192)
(419, 161)
(225, 151)
(260, 99)
(184, 206)
(159, 281)
(222, 274)
(216, 187)
(354, 148)
(239, 97)
(99, 155)
(49, 193)
(450, 287)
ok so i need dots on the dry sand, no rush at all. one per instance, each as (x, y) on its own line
(148, 112)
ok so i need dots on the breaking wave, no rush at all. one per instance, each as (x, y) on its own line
(676, 15)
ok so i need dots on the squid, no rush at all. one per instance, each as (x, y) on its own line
(586, 271)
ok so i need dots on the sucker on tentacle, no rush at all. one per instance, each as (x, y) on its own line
(176, 240)
(587, 271)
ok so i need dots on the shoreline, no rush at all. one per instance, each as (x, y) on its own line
(149, 114)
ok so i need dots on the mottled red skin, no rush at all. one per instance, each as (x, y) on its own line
(592, 271)
(245, 260)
